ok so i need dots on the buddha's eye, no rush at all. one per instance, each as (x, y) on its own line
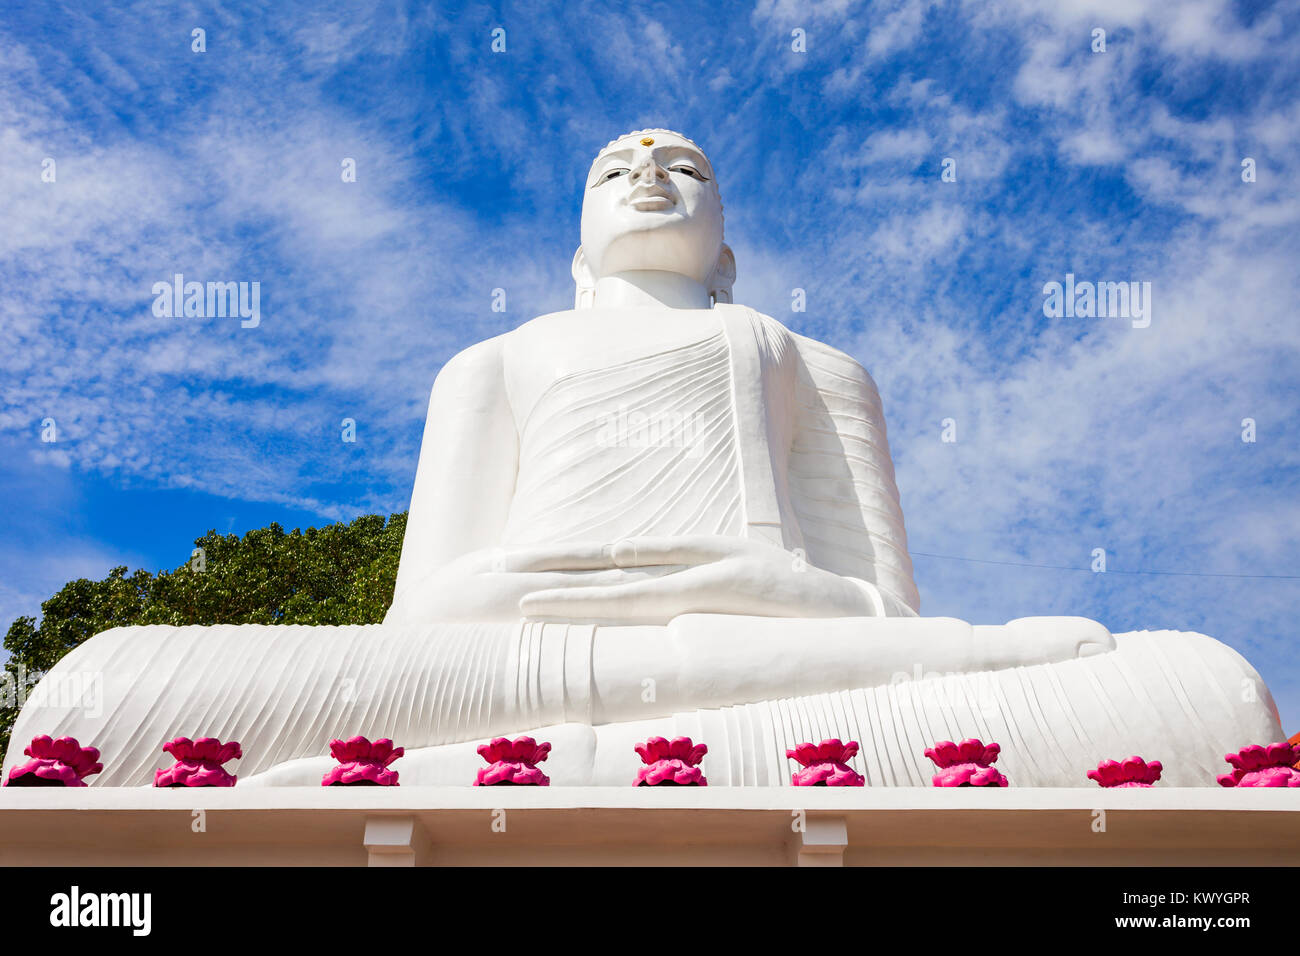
(689, 171)
(612, 174)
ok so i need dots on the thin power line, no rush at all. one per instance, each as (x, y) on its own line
(1067, 567)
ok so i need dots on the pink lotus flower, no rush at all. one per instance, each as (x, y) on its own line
(826, 764)
(967, 764)
(513, 763)
(670, 764)
(1133, 772)
(1256, 766)
(362, 763)
(198, 763)
(55, 763)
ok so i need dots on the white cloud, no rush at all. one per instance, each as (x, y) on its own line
(1072, 434)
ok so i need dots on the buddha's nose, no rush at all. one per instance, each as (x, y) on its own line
(648, 171)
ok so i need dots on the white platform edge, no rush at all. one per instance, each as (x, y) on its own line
(714, 798)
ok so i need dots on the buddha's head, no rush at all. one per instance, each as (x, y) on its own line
(651, 204)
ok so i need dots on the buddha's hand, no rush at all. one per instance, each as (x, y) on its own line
(703, 574)
(489, 584)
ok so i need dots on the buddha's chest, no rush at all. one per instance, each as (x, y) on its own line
(621, 351)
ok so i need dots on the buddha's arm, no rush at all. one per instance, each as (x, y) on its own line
(841, 479)
(466, 473)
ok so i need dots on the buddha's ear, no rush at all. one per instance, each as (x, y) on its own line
(585, 296)
(724, 276)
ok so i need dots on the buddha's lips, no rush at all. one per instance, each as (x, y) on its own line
(653, 198)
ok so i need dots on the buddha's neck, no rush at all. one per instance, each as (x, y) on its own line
(645, 289)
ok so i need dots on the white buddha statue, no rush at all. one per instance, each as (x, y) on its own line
(658, 513)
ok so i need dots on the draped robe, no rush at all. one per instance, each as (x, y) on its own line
(748, 430)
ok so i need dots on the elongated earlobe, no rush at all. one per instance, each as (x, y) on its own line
(724, 276)
(585, 294)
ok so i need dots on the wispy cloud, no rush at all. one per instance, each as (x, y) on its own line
(1072, 433)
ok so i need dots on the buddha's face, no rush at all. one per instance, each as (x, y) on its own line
(651, 203)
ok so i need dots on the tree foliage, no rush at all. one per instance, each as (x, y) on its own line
(339, 574)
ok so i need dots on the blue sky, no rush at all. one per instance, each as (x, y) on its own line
(1072, 433)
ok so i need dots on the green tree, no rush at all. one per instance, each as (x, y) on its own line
(339, 574)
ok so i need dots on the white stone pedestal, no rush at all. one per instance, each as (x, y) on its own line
(419, 826)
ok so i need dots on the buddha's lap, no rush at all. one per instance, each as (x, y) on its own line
(285, 691)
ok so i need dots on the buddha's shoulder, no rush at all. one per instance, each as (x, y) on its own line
(492, 353)
(480, 362)
(548, 324)
(816, 356)
(826, 357)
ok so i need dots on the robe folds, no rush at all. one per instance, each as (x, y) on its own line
(750, 688)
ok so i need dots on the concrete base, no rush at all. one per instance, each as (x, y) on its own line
(419, 826)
